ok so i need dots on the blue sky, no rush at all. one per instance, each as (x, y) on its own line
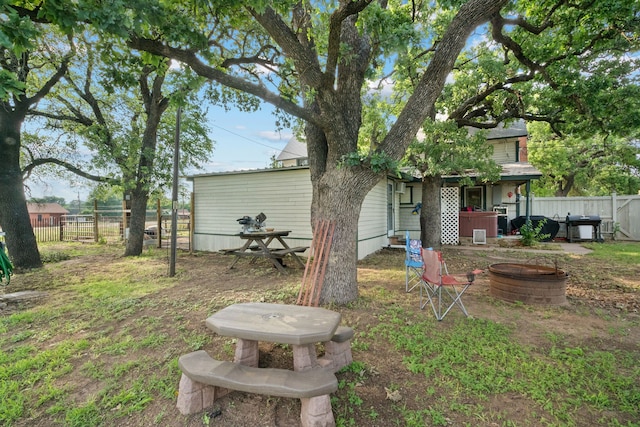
(242, 141)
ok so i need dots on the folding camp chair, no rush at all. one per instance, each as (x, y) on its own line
(441, 289)
(413, 263)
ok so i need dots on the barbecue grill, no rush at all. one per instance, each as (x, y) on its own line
(591, 220)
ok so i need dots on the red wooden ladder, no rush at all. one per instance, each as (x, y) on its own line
(313, 277)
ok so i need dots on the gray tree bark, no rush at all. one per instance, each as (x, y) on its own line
(14, 216)
(431, 213)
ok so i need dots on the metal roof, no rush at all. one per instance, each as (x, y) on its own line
(515, 129)
(293, 150)
(49, 208)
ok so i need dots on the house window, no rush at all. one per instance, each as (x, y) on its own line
(39, 218)
(406, 198)
(473, 198)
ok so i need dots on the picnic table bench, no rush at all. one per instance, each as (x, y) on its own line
(312, 379)
(257, 245)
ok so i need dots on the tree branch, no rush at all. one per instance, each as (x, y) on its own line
(49, 84)
(61, 117)
(497, 24)
(345, 10)
(304, 57)
(421, 103)
(190, 58)
(71, 168)
(460, 112)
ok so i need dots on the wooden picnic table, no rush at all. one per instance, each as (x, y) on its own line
(258, 244)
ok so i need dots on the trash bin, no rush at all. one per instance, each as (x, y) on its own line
(585, 232)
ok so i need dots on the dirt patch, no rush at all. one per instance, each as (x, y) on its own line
(602, 313)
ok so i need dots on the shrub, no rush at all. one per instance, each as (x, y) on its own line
(530, 235)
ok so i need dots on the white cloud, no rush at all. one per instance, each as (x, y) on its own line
(176, 65)
(384, 87)
(274, 135)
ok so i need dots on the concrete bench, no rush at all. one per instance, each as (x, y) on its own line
(205, 380)
(337, 352)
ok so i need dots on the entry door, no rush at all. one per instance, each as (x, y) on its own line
(390, 227)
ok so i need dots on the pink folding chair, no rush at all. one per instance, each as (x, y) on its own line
(441, 289)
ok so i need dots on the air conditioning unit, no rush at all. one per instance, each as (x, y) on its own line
(479, 236)
(401, 187)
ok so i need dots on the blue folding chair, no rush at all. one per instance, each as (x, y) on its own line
(413, 263)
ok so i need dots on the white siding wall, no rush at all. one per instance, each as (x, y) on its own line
(504, 150)
(372, 227)
(284, 195)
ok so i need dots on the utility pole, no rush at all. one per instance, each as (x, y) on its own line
(174, 197)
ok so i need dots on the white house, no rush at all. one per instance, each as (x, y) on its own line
(488, 206)
(284, 196)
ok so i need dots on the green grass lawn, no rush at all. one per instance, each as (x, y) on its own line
(102, 348)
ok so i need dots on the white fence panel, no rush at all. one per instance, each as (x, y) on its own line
(620, 214)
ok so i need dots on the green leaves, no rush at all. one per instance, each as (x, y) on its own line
(10, 85)
(580, 164)
(445, 149)
(16, 34)
(377, 161)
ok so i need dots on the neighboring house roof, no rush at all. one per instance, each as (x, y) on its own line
(515, 129)
(519, 170)
(293, 150)
(510, 172)
(46, 208)
(298, 150)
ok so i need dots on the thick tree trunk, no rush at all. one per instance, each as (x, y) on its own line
(155, 105)
(430, 214)
(338, 194)
(14, 216)
(139, 199)
(565, 186)
(338, 197)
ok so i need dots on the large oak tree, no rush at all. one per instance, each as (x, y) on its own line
(122, 108)
(323, 58)
(29, 68)
(42, 77)
(316, 61)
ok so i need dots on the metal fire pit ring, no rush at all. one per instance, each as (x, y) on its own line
(528, 283)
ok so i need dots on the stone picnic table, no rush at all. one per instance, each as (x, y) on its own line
(300, 326)
(204, 379)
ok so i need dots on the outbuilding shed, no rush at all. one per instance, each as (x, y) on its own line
(284, 196)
